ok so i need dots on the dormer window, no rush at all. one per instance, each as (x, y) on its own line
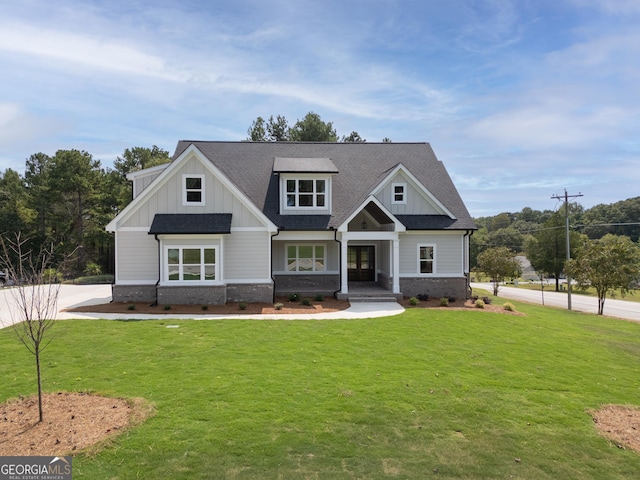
(192, 190)
(306, 193)
(399, 193)
(305, 185)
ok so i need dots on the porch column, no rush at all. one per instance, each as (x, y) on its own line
(396, 265)
(344, 274)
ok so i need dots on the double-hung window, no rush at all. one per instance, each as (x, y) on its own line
(193, 189)
(426, 259)
(191, 264)
(306, 258)
(306, 193)
(399, 193)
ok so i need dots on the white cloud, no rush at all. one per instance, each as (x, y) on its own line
(83, 50)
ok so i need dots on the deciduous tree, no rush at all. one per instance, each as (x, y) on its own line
(609, 265)
(498, 263)
(35, 297)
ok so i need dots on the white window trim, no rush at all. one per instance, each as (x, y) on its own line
(404, 193)
(310, 209)
(182, 246)
(435, 269)
(184, 190)
(305, 272)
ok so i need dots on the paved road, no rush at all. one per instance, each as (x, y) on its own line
(77, 295)
(581, 303)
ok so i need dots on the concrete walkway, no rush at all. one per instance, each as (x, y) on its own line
(580, 303)
(80, 295)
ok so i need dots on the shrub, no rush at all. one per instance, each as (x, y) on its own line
(293, 297)
(242, 306)
(479, 304)
(205, 307)
(423, 297)
(278, 306)
(93, 269)
(306, 301)
(413, 301)
(486, 300)
(167, 307)
(51, 275)
(131, 307)
(444, 301)
(509, 307)
(319, 297)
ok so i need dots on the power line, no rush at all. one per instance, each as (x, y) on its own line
(566, 207)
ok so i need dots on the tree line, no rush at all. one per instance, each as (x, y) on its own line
(604, 247)
(541, 235)
(66, 200)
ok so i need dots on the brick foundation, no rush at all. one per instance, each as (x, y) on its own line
(434, 287)
(308, 284)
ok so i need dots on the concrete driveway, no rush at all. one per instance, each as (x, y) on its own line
(80, 295)
(581, 303)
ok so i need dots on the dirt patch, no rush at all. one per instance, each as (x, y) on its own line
(620, 424)
(72, 422)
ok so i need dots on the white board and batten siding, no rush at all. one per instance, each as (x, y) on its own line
(416, 203)
(168, 199)
(448, 246)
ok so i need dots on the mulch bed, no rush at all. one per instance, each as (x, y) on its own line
(71, 422)
(329, 304)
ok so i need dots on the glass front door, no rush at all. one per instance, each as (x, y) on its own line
(361, 263)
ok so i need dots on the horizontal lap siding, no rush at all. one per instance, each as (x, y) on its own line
(448, 252)
(332, 253)
(246, 256)
(137, 254)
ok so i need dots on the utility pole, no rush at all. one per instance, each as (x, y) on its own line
(566, 198)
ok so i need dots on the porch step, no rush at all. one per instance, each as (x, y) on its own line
(373, 298)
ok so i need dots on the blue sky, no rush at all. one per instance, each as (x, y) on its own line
(519, 98)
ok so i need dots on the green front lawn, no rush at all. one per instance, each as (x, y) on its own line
(427, 394)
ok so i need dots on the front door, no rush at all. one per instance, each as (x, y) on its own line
(361, 263)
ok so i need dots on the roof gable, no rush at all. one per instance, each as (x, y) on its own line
(190, 153)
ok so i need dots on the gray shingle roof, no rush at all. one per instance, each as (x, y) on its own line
(361, 167)
(190, 223)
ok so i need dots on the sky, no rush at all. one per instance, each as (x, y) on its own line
(520, 99)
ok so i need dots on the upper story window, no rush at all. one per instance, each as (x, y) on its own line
(399, 193)
(305, 185)
(306, 193)
(192, 189)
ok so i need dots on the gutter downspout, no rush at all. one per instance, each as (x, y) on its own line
(155, 303)
(468, 234)
(271, 266)
(335, 238)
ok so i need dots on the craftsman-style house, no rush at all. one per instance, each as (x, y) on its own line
(246, 221)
